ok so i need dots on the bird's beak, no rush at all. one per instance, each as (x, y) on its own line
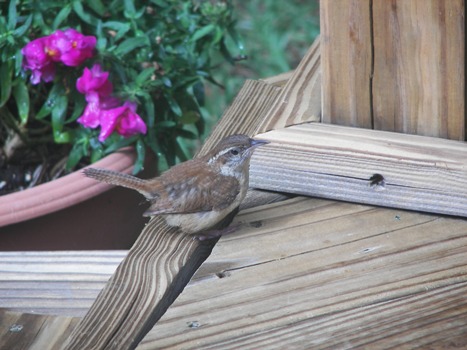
(257, 143)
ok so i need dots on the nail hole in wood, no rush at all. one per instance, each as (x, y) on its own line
(377, 182)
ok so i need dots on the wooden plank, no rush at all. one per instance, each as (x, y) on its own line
(300, 98)
(346, 62)
(33, 332)
(419, 67)
(313, 269)
(311, 273)
(55, 283)
(246, 112)
(420, 173)
(278, 80)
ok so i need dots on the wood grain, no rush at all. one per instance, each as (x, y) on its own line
(395, 65)
(419, 67)
(420, 173)
(245, 114)
(346, 62)
(300, 99)
(312, 273)
(142, 288)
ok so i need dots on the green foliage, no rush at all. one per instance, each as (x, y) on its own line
(159, 54)
(275, 36)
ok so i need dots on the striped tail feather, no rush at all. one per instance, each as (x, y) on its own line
(120, 179)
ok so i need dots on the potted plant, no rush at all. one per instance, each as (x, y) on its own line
(80, 82)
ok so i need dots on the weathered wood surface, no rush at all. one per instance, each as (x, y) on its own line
(395, 65)
(419, 67)
(303, 273)
(300, 99)
(346, 62)
(420, 173)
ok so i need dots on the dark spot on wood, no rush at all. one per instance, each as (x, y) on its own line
(256, 224)
(222, 274)
(377, 181)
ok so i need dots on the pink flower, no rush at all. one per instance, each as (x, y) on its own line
(105, 113)
(94, 80)
(70, 47)
(92, 111)
(122, 119)
(38, 61)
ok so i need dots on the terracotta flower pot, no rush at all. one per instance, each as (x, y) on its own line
(74, 212)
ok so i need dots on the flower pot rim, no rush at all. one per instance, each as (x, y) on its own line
(62, 192)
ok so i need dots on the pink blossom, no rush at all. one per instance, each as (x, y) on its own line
(104, 112)
(122, 119)
(92, 112)
(70, 47)
(37, 59)
(94, 80)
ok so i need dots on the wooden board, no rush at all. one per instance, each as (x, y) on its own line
(420, 173)
(419, 67)
(305, 273)
(346, 62)
(394, 65)
(300, 98)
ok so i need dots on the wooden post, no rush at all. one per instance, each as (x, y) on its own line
(395, 65)
(346, 62)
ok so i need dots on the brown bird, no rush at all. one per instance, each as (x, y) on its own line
(197, 194)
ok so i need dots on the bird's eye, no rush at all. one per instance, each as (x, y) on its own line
(234, 152)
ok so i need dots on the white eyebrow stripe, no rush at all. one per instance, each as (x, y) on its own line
(221, 153)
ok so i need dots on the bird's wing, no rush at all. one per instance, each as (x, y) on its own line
(197, 194)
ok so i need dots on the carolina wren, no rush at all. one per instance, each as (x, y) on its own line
(199, 193)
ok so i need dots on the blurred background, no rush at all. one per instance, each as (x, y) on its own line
(274, 36)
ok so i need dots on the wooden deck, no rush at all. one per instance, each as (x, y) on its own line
(303, 273)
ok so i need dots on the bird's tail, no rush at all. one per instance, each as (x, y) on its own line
(120, 179)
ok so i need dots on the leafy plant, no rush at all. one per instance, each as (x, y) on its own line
(275, 35)
(158, 55)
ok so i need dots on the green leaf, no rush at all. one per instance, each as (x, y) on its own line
(174, 106)
(61, 16)
(86, 17)
(98, 7)
(130, 9)
(51, 101)
(144, 75)
(77, 152)
(58, 119)
(189, 117)
(21, 30)
(12, 15)
(121, 28)
(167, 124)
(150, 112)
(123, 142)
(18, 61)
(202, 32)
(141, 155)
(96, 154)
(5, 83)
(20, 92)
(130, 44)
